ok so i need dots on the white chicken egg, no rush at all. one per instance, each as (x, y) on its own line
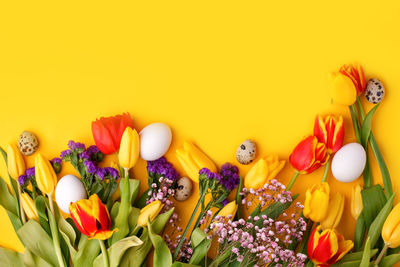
(349, 162)
(155, 140)
(69, 189)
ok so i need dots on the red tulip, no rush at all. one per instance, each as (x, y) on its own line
(330, 131)
(309, 155)
(327, 247)
(107, 132)
(91, 217)
(356, 74)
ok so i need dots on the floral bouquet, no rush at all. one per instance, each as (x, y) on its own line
(250, 220)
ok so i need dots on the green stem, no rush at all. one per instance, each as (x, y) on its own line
(383, 252)
(326, 172)
(291, 183)
(188, 224)
(387, 182)
(105, 253)
(356, 123)
(54, 233)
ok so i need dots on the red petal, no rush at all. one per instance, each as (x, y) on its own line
(320, 130)
(337, 136)
(303, 156)
(87, 220)
(326, 248)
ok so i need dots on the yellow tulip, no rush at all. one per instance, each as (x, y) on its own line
(343, 89)
(193, 160)
(335, 211)
(149, 212)
(29, 207)
(391, 229)
(229, 209)
(46, 177)
(264, 170)
(356, 202)
(129, 148)
(15, 162)
(317, 202)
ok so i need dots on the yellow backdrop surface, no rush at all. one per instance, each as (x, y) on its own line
(218, 72)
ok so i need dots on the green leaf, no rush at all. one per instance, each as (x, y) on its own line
(40, 204)
(114, 211)
(355, 263)
(141, 202)
(15, 221)
(390, 260)
(357, 255)
(366, 126)
(87, 252)
(276, 209)
(134, 188)
(14, 186)
(66, 228)
(197, 237)
(366, 254)
(200, 251)
(161, 220)
(135, 256)
(133, 218)
(72, 250)
(7, 200)
(9, 257)
(359, 233)
(376, 227)
(31, 260)
(162, 254)
(238, 199)
(373, 201)
(38, 241)
(181, 264)
(117, 250)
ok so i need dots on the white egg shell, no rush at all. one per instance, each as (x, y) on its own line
(69, 189)
(349, 162)
(155, 140)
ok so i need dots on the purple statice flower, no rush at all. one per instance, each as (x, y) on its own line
(101, 173)
(90, 167)
(92, 150)
(162, 168)
(112, 172)
(84, 155)
(56, 161)
(65, 153)
(76, 146)
(229, 176)
(209, 174)
(30, 172)
(23, 179)
(225, 202)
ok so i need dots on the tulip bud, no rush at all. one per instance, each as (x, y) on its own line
(264, 170)
(317, 202)
(149, 212)
(356, 202)
(335, 211)
(229, 209)
(391, 229)
(29, 207)
(129, 148)
(15, 162)
(327, 247)
(193, 160)
(330, 131)
(46, 177)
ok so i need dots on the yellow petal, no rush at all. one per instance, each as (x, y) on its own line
(391, 228)
(29, 207)
(356, 202)
(46, 178)
(188, 165)
(257, 175)
(129, 149)
(201, 159)
(15, 161)
(317, 202)
(229, 209)
(149, 212)
(335, 211)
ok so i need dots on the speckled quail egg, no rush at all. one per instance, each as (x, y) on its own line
(184, 189)
(246, 152)
(27, 143)
(374, 91)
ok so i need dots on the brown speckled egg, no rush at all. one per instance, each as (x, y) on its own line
(246, 152)
(27, 143)
(374, 91)
(184, 189)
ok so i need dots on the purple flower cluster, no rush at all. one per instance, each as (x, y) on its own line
(229, 176)
(263, 244)
(65, 153)
(23, 180)
(93, 169)
(161, 167)
(209, 174)
(30, 172)
(76, 146)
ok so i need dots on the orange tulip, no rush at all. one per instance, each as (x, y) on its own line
(330, 131)
(327, 247)
(309, 155)
(356, 74)
(92, 218)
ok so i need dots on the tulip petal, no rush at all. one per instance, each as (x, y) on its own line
(327, 247)
(320, 130)
(103, 234)
(303, 156)
(336, 206)
(188, 165)
(343, 90)
(201, 159)
(391, 228)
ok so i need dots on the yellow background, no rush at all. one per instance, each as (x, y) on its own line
(218, 72)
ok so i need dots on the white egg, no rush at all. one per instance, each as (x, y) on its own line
(155, 140)
(69, 189)
(349, 162)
